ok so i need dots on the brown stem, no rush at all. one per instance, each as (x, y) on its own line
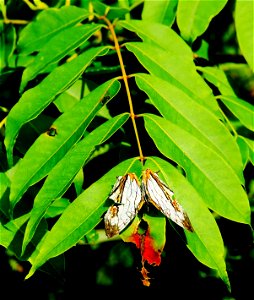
(125, 79)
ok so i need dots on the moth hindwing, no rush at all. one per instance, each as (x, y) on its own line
(126, 194)
(159, 194)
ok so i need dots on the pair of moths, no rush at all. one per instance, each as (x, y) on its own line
(129, 197)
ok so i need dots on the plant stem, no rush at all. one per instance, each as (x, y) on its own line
(18, 22)
(125, 79)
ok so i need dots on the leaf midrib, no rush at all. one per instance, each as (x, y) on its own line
(59, 147)
(192, 162)
(174, 79)
(155, 162)
(77, 227)
(66, 186)
(193, 124)
(41, 64)
(58, 29)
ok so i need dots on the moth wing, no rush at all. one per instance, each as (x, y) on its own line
(114, 222)
(116, 191)
(119, 215)
(160, 195)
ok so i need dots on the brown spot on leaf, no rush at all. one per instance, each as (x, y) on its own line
(51, 131)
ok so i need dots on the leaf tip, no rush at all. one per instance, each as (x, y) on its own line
(30, 273)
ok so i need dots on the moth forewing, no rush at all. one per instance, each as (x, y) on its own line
(128, 200)
(160, 195)
(115, 220)
(116, 192)
(111, 221)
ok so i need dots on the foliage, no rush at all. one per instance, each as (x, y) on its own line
(133, 85)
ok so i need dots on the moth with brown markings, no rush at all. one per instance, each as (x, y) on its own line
(129, 196)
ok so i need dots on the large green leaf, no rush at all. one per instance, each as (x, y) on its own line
(182, 74)
(160, 11)
(35, 100)
(178, 107)
(244, 23)
(205, 242)
(218, 185)
(47, 24)
(62, 175)
(160, 35)
(194, 17)
(85, 212)
(57, 48)
(243, 110)
(48, 150)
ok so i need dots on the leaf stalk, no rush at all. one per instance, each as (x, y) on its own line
(125, 79)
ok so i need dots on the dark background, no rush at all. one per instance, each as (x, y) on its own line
(112, 269)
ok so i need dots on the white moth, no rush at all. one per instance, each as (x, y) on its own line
(126, 194)
(129, 197)
(154, 190)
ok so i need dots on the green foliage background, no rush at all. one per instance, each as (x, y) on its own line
(91, 90)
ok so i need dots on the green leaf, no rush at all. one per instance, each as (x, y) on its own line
(182, 74)
(47, 24)
(217, 76)
(47, 150)
(85, 212)
(56, 208)
(7, 44)
(112, 12)
(161, 36)
(205, 242)
(3, 8)
(240, 108)
(218, 185)
(57, 48)
(160, 11)
(11, 236)
(15, 235)
(5, 183)
(69, 98)
(250, 144)
(35, 100)
(62, 175)
(4, 195)
(203, 50)
(245, 29)
(194, 17)
(244, 149)
(78, 181)
(243, 110)
(10, 229)
(178, 107)
(157, 230)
